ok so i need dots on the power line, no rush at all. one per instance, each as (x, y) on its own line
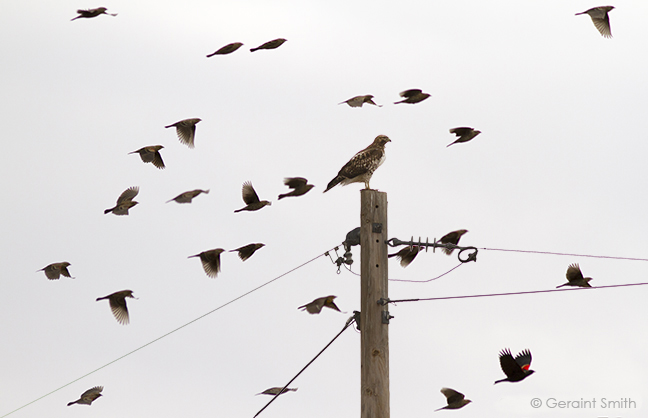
(428, 280)
(170, 332)
(349, 321)
(511, 293)
(572, 255)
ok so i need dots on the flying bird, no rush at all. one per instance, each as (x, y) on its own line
(187, 197)
(246, 251)
(151, 154)
(464, 134)
(275, 43)
(118, 305)
(93, 13)
(452, 238)
(277, 391)
(361, 167)
(251, 198)
(88, 396)
(600, 18)
(227, 49)
(54, 270)
(186, 130)
(455, 399)
(210, 261)
(358, 101)
(299, 185)
(316, 306)
(412, 96)
(124, 202)
(515, 369)
(406, 255)
(575, 277)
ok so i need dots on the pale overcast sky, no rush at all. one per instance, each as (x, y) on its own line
(560, 166)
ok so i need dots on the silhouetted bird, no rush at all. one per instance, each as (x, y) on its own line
(464, 134)
(515, 369)
(406, 255)
(187, 197)
(54, 270)
(118, 305)
(246, 251)
(275, 43)
(299, 185)
(251, 199)
(361, 167)
(227, 49)
(575, 277)
(452, 238)
(88, 396)
(275, 391)
(210, 261)
(186, 130)
(455, 399)
(124, 202)
(358, 101)
(600, 18)
(316, 306)
(151, 154)
(93, 13)
(412, 96)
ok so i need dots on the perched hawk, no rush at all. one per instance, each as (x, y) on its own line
(362, 166)
(227, 49)
(600, 19)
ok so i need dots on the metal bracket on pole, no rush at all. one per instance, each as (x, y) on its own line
(472, 256)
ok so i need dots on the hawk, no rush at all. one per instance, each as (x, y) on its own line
(151, 154)
(88, 396)
(464, 134)
(600, 18)
(362, 166)
(358, 101)
(118, 305)
(227, 49)
(54, 270)
(275, 43)
(93, 13)
(455, 399)
(412, 96)
(186, 130)
(515, 369)
(575, 277)
(124, 202)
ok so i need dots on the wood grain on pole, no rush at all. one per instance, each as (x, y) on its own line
(374, 334)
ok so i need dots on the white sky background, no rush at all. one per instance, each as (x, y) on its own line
(560, 166)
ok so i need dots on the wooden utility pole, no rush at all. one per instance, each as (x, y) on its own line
(374, 317)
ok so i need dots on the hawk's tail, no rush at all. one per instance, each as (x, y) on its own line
(334, 183)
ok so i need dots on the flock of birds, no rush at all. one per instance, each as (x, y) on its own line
(358, 170)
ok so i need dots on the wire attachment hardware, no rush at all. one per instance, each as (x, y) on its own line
(472, 256)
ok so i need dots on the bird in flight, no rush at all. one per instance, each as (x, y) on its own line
(210, 261)
(186, 130)
(275, 43)
(54, 270)
(515, 369)
(464, 134)
(412, 96)
(118, 307)
(93, 13)
(455, 399)
(600, 19)
(361, 167)
(452, 238)
(151, 154)
(124, 202)
(88, 396)
(406, 255)
(316, 306)
(277, 391)
(246, 251)
(251, 199)
(299, 186)
(227, 49)
(358, 101)
(575, 277)
(187, 197)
